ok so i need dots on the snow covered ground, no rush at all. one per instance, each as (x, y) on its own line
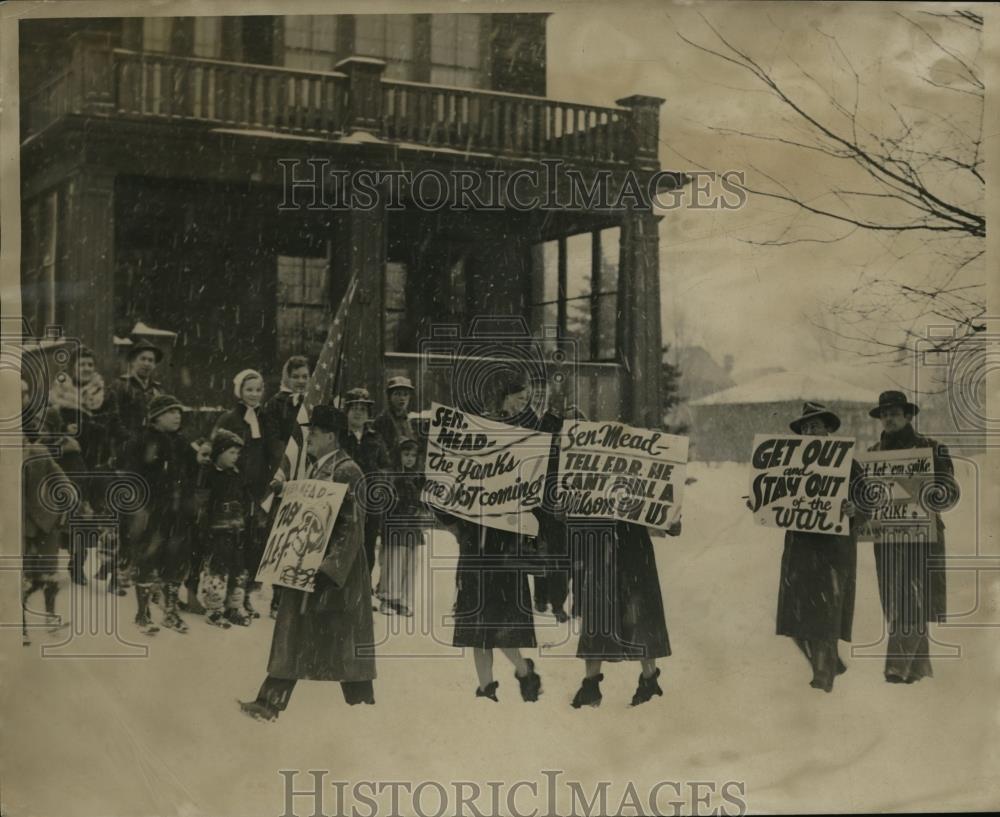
(162, 734)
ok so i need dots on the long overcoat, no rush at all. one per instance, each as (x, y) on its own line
(328, 635)
(818, 583)
(911, 576)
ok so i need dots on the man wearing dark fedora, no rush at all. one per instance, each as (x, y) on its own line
(328, 634)
(911, 578)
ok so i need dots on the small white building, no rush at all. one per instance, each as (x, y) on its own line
(723, 424)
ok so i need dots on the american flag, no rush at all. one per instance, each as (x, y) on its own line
(323, 381)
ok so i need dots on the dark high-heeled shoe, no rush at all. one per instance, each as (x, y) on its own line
(589, 693)
(531, 682)
(490, 691)
(648, 687)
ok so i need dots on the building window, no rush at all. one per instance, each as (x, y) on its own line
(456, 50)
(575, 291)
(207, 37)
(303, 318)
(41, 227)
(388, 37)
(311, 42)
(156, 32)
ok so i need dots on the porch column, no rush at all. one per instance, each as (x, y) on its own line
(362, 251)
(87, 253)
(364, 99)
(640, 337)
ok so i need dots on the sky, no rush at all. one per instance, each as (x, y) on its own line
(718, 289)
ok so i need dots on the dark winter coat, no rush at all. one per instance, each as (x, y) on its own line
(43, 484)
(328, 635)
(911, 576)
(393, 431)
(168, 465)
(260, 457)
(370, 452)
(818, 582)
(281, 415)
(131, 399)
(620, 603)
(492, 599)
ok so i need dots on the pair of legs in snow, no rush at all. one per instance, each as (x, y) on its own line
(530, 682)
(822, 655)
(39, 574)
(223, 588)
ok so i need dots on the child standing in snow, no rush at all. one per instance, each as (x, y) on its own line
(403, 533)
(223, 525)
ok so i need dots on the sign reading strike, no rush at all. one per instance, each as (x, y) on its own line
(484, 471)
(800, 483)
(894, 482)
(300, 533)
(614, 471)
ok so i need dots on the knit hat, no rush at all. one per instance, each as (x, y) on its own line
(161, 404)
(223, 440)
(407, 444)
(242, 378)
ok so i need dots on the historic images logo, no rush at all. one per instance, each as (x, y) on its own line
(550, 185)
(550, 795)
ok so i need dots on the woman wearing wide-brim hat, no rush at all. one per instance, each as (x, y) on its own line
(818, 579)
(911, 575)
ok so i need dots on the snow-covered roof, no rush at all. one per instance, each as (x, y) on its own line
(778, 387)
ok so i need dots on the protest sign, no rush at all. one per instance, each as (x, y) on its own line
(614, 471)
(889, 497)
(300, 533)
(800, 483)
(484, 471)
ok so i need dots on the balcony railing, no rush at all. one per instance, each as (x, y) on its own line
(120, 84)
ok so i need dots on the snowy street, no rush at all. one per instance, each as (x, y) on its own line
(164, 735)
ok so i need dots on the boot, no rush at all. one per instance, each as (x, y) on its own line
(50, 589)
(192, 605)
(172, 619)
(531, 682)
(235, 613)
(217, 618)
(142, 617)
(648, 687)
(275, 599)
(248, 607)
(589, 693)
(489, 692)
(258, 710)
(560, 615)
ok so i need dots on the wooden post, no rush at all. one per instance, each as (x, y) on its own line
(93, 70)
(364, 94)
(88, 250)
(640, 337)
(645, 132)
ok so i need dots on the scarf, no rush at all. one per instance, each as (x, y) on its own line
(906, 437)
(88, 397)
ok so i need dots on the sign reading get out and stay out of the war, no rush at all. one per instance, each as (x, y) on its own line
(612, 471)
(800, 483)
(894, 482)
(484, 471)
(300, 533)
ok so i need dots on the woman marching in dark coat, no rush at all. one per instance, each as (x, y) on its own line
(819, 575)
(911, 575)
(493, 601)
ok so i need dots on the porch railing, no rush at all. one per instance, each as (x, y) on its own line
(116, 83)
